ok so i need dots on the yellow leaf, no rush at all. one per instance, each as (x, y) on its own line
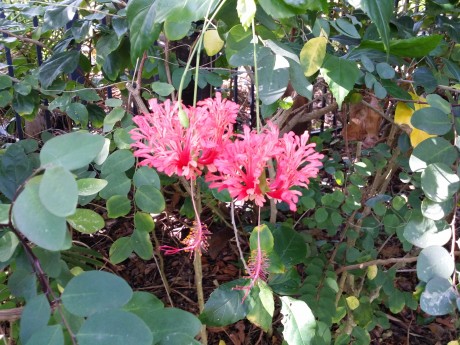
(417, 136)
(212, 42)
(372, 272)
(403, 114)
(221, 342)
(453, 342)
(352, 302)
(246, 12)
(312, 55)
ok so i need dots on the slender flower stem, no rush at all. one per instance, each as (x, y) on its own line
(197, 264)
(235, 229)
(256, 76)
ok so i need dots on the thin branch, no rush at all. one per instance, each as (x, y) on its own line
(376, 262)
(26, 39)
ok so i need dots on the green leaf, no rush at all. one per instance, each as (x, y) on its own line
(436, 210)
(380, 13)
(58, 63)
(278, 9)
(88, 95)
(112, 118)
(237, 40)
(439, 183)
(144, 222)
(26, 105)
(312, 55)
(289, 245)
(145, 176)
(178, 339)
(438, 297)
(143, 304)
(432, 150)
(86, 221)
(141, 244)
(117, 184)
(321, 215)
(5, 82)
(58, 16)
(166, 321)
(385, 71)
(122, 138)
(434, 261)
(90, 186)
(105, 45)
(58, 191)
(344, 27)
(177, 27)
(424, 77)
(266, 239)
(143, 28)
(72, 151)
(261, 306)
(93, 292)
(78, 113)
(162, 89)
(431, 120)
(34, 221)
(424, 232)
(5, 98)
(298, 320)
(341, 76)
(224, 305)
(35, 316)
(118, 206)
(114, 327)
(48, 335)
(149, 199)
(273, 78)
(452, 68)
(8, 245)
(246, 12)
(298, 81)
(415, 47)
(438, 102)
(118, 161)
(120, 250)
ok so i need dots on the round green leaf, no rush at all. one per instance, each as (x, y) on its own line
(119, 161)
(114, 327)
(163, 89)
(8, 244)
(265, 236)
(78, 113)
(438, 297)
(434, 261)
(90, 186)
(385, 71)
(49, 335)
(86, 221)
(146, 176)
(424, 232)
(143, 304)
(94, 292)
(5, 82)
(149, 199)
(438, 102)
(35, 221)
(72, 151)
(436, 210)
(432, 150)
(120, 250)
(141, 244)
(321, 215)
(118, 206)
(224, 305)
(439, 183)
(431, 120)
(298, 321)
(144, 222)
(117, 184)
(58, 191)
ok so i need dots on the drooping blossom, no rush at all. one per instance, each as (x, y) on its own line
(242, 166)
(195, 241)
(257, 268)
(297, 163)
(165, 144)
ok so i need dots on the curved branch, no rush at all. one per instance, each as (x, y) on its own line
(26, 39)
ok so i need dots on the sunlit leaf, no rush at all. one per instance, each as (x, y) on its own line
(434, 261)
(298, 321)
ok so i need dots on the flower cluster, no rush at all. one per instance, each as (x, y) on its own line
(165, 144)
(242, 165)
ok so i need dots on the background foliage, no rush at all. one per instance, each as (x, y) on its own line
(86, 66)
